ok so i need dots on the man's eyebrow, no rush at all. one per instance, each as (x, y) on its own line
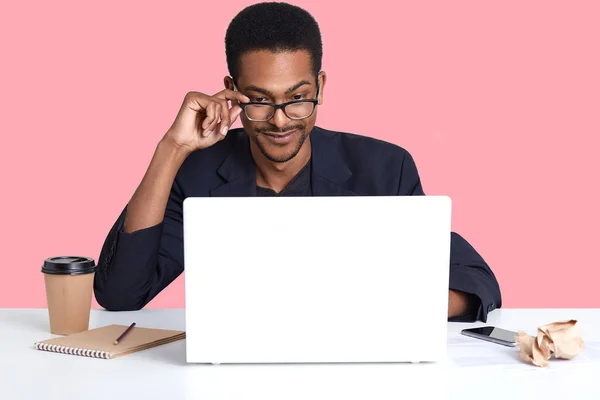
(270, 94)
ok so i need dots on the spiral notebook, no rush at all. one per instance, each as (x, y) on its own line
(98, 342)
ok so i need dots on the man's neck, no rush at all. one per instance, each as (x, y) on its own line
(276, 176)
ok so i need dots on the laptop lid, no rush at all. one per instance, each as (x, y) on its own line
(316, 279)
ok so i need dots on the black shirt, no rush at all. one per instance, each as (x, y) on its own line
(300, 185)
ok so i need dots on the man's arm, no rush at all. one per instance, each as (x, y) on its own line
(142, 253)
(147, 206)
(473, 289)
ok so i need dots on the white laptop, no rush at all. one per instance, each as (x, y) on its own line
(316, 279)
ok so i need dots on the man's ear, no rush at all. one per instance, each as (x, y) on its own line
(322, 79)
(228, 82)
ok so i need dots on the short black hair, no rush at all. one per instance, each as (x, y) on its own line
(273, 26)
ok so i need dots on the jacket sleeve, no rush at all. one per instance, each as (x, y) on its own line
(134, 267)
(469, 273)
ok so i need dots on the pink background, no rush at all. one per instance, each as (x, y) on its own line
(497, 101)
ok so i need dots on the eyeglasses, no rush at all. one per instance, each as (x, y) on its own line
(298, 109)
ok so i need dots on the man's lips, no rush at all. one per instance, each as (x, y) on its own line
(281, 138)
(280, 135)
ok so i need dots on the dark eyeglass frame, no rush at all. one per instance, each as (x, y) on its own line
(275, 107)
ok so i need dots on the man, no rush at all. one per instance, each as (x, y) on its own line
(274, 54)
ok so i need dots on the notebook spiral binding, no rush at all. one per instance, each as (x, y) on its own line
(72, 350)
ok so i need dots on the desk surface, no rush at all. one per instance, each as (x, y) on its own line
(474, 370)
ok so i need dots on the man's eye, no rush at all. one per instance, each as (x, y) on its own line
(298, 97)
(258, 99)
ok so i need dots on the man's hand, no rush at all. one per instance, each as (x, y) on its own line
(458, 303)
(201, 122)
(204, 120)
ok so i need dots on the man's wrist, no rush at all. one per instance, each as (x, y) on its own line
(458, 303)
(169, 150)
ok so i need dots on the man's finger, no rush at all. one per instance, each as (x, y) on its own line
(231, 95)
(196, 101)
(223, 127)
(234, 113)
(210, 115)
(217, 116)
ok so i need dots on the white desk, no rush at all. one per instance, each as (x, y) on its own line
(162, 373)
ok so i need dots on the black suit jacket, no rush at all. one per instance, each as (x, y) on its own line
(135, 267)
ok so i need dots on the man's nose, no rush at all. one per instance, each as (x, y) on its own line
(279, 119)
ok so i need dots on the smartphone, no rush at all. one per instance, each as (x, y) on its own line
(492, 334)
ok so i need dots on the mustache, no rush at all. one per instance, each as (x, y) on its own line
(280, 131)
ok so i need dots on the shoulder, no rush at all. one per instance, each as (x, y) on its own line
(355, 146)
(377, 167)
(217, 152)
(201, 166)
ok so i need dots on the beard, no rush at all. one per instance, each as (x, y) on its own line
(281, 158)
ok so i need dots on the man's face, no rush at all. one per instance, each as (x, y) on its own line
(276, 78)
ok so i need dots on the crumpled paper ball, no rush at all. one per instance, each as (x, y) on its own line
(560, 339)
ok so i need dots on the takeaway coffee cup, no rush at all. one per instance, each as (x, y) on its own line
(69, 281)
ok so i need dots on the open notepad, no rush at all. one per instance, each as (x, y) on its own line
(98, 342)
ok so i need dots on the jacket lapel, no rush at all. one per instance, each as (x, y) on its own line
(238, 171)
(238, 188)
(329, 176)
(330, 171)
